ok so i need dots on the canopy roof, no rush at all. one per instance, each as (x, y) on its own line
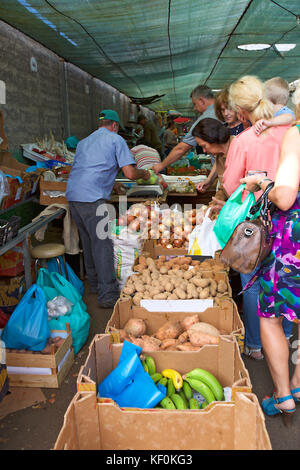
(164, 48)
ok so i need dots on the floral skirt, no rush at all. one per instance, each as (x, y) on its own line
(279, 274)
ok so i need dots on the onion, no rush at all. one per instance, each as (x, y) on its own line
(135, 327)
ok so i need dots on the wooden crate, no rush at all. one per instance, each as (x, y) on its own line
(53, 367)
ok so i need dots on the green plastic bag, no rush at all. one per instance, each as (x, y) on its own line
(232, 213)
(53, 284)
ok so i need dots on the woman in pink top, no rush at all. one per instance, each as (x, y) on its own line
(249, 151)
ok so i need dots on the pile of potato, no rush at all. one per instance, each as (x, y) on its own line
(172, 280)
(188, 334)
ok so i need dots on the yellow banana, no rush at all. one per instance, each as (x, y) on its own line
(175, 376)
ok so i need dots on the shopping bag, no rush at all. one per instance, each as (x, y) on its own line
(72, 277)
(203, 241)
(232, 213)
(54, 285)
(28, 326)
(78, 318)
(128, 384)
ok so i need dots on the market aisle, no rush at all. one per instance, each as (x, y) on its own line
(37, 428)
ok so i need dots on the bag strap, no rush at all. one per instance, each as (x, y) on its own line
(262, 204)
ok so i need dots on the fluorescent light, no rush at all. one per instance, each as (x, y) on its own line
(253, 47)
(284, 47)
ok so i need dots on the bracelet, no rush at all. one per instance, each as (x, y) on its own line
(264, 179)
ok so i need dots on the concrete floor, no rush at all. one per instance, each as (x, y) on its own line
(38, 428)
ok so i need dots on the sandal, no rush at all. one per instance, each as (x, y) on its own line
(296, 399)
(268, 405)
(252, 353)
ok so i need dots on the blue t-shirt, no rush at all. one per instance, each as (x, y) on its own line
(97, 161)
(284, 110)
(208, 113)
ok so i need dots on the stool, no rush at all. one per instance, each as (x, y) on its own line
(48, 251)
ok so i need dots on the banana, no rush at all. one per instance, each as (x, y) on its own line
(209, 379)
(150, 364)
(156, 377)
(204, 405)
(170, 388)
(202, 388)
(167, 404)
(145, 365)
(187, 390)
(182, 394)
(175, 376)
(163, 381)
(178, 401)
(193, 404)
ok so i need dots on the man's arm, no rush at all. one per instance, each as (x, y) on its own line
(133, 173)
(176, 153)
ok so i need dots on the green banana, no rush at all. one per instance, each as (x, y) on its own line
(209, 379)
(178, 401)
(145, 366)
(204, 405)
(150, 364)
(167, 404)
(156, 377)
(187, 390)
(182, 394)
(170, 388)
(163, 381)
(202, 388)
(193, 404)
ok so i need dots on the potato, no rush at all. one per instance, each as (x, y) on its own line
(137, 298)
(180, 293)
(128, 290)
(197, 281)
(222, 287)
(161, 296)
(139, 268)
(204, 294)
(163, 270)
(172, 296)
(188, 275)
(140, 287)
(135, 327)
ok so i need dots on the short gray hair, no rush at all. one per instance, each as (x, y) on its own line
(202, 91)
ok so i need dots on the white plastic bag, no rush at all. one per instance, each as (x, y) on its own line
(4, 186)
(203, 241)
(58, 307)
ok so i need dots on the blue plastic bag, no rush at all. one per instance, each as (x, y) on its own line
(53, 284)
(28, 326)
(128, 384)
(72, 277)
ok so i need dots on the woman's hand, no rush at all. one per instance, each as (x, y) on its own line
(203, 186)
(215, 206)
(252, 183)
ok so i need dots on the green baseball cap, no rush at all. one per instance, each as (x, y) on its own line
(109, 114)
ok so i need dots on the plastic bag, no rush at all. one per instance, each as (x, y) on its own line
(28, 326)
(78, 318)
(58, 306)
(232, 213)
(72, 277)
(203, 241)
(128, 384)
(4, 186)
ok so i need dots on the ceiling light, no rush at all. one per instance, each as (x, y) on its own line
(253, 47)
(284, 47)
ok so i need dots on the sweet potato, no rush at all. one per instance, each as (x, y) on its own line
(171, 329)
(183, 338)
(187, 322)
(166, 343)
(197, 338)
(187, 347)
(204, 327)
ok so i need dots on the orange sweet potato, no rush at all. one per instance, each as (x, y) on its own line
(171, 329)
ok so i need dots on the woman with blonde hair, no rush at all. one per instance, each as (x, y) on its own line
(279, 275)
(249, 151)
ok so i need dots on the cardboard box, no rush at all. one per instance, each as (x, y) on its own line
(223, 315)
(151, 247)
(12, 290)
(12, 262)
(100, 424)
(46, 200)
(41, 370)
(238, 425)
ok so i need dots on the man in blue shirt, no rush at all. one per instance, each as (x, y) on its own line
(97, 161)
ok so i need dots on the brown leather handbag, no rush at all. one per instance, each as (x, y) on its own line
(251, 242)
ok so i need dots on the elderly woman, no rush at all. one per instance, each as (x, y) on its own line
(249, 151)
(279, 275)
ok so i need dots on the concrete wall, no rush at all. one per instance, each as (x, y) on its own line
(59, 97)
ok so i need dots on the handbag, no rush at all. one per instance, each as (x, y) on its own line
(232, 213)
(251, 241)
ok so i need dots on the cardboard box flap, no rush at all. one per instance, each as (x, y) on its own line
(86, 421)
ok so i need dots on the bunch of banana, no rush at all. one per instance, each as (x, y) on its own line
(206, 384)
(180, 400)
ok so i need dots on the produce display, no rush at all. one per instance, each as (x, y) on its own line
(182, 186)
(189, 334)
(172, 281)
(49, 148)
(179, 262)
(53, 344)
(169, 228)
(182, 389)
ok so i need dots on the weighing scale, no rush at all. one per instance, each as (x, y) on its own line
(152, 190)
